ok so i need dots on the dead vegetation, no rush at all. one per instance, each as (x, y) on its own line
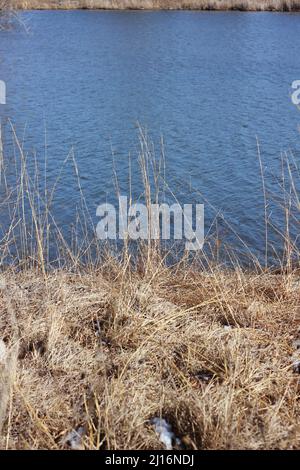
(243, 5)
(105, 351)
(96, 345)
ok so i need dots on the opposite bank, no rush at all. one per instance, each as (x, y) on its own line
(242, 5)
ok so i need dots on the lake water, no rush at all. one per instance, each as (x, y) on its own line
(211, 83)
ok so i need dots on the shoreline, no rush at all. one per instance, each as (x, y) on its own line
(287, 6)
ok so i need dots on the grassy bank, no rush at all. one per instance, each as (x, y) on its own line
(246, 5)
(106, 351)
(92, 352)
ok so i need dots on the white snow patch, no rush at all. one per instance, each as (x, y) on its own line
(165, 433)
(296, 367)
(74, 438)
(296, 344)
(3, 352)
(2, 283)
(227, 327)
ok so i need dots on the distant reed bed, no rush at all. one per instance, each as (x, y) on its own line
(242, 5)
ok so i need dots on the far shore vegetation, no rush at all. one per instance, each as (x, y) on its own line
(242, 5)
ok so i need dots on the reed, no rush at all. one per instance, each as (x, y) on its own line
(8, 16)
(100, 342)
(243, 5)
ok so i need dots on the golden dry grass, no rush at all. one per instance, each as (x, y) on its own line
(104, 343)
(251, 5)
(109, 349)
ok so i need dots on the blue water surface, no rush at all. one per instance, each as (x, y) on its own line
(213, 84)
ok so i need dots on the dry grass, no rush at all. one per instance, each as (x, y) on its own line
(247, 5)
(107, 350)
(102, 344)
